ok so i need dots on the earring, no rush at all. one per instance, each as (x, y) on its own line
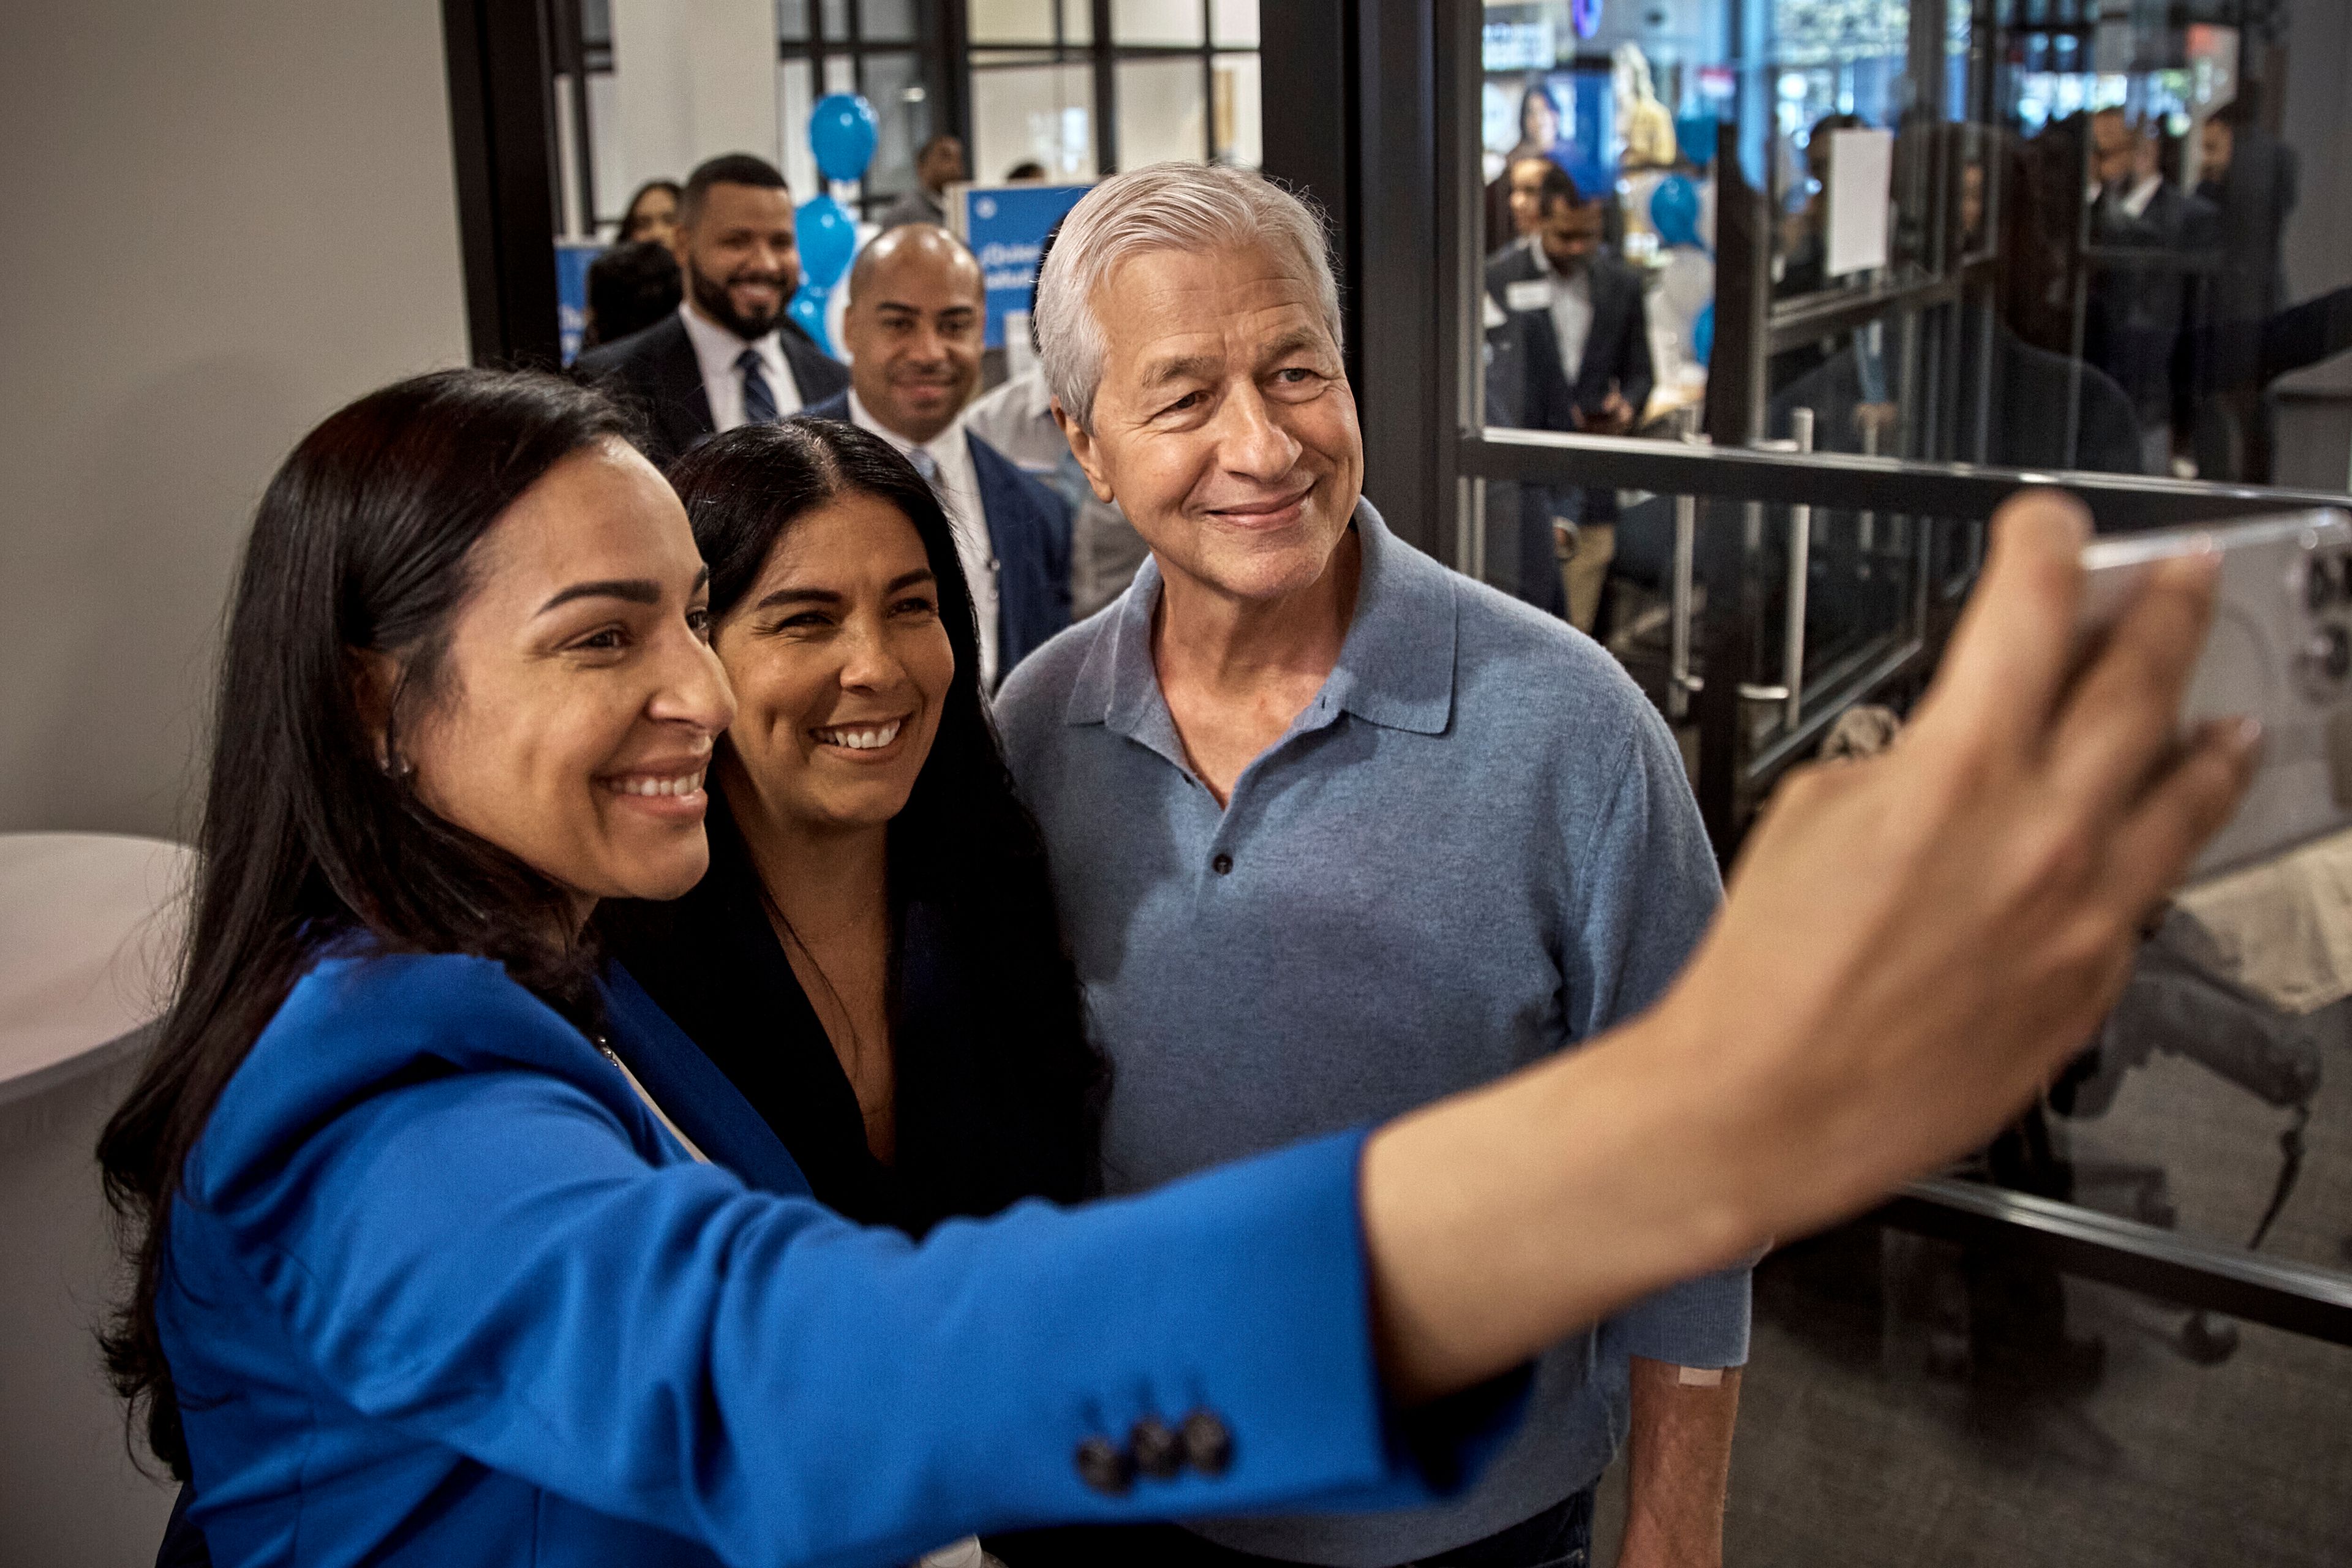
(398, 769)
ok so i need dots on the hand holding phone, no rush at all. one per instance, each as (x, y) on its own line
(2280, 652)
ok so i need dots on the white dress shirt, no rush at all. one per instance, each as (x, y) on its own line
(1571, 314)
(958, 487)
(716, 350)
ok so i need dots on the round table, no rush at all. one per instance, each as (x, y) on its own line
(90, 927)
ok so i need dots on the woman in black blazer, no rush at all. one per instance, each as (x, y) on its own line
(922, 1055)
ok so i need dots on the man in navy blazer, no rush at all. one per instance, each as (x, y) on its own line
(728, 355)
(913, 328)
(1576, 318)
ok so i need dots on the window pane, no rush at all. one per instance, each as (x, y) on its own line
(1238, 112)
(794, 101)
(1236, 22)
(1160, 111)
(792, 20)
(1155, 22)
(890, 21)
(836, 21)
(1040, 112)
(596, 22)
(1077, 22)
(1012, 21)
(894, 84)
(840, 74)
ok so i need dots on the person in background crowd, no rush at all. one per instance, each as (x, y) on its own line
(1017, 419)
(651, 213)
(1587, 369)
(913, 328)
(632, 285)
(1336, 832)
(2252, 182)
(2146, 234)
(728, 355)
(1027, 171)
(939, 166)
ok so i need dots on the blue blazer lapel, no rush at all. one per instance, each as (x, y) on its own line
(693, 1093)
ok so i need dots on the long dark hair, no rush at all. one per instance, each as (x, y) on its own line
(629, 213)
(311, 833)
(963, 847)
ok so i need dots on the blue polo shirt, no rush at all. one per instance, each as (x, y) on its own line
(1476, 847)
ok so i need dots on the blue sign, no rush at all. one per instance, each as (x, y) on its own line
(1006, 227)
(572, 261)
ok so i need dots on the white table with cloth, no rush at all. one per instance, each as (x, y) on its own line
(89, 926)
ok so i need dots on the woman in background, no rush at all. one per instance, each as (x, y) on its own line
(651, 213)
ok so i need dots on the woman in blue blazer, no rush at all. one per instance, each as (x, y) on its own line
(437, 1263)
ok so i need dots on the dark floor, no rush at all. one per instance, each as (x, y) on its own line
(1908, 1405)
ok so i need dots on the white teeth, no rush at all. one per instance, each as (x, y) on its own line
(867, 739)
(686, 783)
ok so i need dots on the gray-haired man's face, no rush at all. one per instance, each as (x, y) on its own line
(1224, 425)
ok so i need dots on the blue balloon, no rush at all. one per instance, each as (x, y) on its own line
(1674, 211)
(842, 133)
(1695, 137)
(1703, 333)
(828, 238)
(807, 312)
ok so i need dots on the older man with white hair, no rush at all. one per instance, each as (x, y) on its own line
(1336, 832)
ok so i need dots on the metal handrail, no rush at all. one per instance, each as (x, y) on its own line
(1847, 481)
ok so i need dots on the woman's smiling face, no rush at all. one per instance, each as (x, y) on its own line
(840, 665)
(580, 702)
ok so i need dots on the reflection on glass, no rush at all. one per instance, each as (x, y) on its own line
(2070, 248)
(1163, 111)
(1156, 22)
(1012, 21)
(1043, 114)
(1239, 111)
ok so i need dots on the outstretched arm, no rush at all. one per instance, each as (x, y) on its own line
(1910, 945)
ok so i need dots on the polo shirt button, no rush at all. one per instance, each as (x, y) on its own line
(1208, 1446)
(1159, 1451)
(1105, 1467)
(1223, 865)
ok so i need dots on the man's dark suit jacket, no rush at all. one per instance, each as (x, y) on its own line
(1029, 529)
(656, 372)
(1617, 348)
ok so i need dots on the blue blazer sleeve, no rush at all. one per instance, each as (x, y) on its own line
(429, 1192)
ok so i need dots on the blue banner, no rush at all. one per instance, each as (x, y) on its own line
(572, 261)
(1006, 227)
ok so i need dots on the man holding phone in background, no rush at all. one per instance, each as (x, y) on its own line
(1589, 360)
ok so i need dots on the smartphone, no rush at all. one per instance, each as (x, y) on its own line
(2280, 651)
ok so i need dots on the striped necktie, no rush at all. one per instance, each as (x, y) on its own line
(759, 398)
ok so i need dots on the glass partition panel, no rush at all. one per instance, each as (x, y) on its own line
(2078, 235)
(1163, 111)
(1010, 22)
(1040, 112)
(1156, 22)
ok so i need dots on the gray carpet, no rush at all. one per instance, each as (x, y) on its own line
(1905, 1406)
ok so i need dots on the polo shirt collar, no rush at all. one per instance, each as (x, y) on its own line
(1395, 669)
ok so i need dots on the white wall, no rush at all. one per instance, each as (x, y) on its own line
(691, 79)
(226, 217)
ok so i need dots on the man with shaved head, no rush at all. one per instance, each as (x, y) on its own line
(916, 308)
